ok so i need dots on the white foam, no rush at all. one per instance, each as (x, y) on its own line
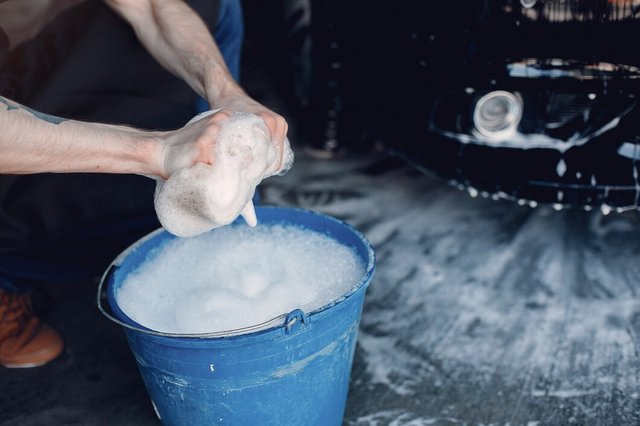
(237, 277)
(202, 197)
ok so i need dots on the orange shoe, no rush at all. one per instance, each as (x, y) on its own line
(24, 341)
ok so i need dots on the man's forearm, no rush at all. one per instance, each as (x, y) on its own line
(178, 38)
(32, 142)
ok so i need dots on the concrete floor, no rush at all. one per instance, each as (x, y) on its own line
(481, 312)
(94, 382)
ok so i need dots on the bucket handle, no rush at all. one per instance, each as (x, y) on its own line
(291, 321)
(294, 321)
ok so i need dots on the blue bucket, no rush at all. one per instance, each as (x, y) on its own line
(291, 370)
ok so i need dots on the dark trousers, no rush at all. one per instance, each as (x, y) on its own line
(88, 65)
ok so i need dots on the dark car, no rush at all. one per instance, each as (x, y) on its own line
(534, 101)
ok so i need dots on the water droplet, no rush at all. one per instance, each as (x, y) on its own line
(593, 180)
(473, 192)
(522, 202)
(533, 204)
(495, 197)
(560, 195)
(592, 96)
(557, 206)
(561, 168)
(605, 209)
(578, 175)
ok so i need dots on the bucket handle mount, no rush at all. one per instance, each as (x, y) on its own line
(294, 321)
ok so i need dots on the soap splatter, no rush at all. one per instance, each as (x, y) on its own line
(482, 311)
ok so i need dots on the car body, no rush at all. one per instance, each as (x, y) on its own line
(533, 101)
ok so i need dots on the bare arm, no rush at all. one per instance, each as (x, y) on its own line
(179, 40)
(32, 142)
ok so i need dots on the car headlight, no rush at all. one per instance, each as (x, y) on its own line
(528, 4)
(497, 114)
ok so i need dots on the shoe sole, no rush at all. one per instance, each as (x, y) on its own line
(35, 363)
(29, 365)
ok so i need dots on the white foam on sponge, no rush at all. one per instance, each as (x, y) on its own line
(237, 277)
(202, 197)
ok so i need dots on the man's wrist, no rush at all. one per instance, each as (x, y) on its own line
(150, 155)
(135, 151)
(220, 89)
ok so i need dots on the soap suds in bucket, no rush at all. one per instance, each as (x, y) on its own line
(236, 277)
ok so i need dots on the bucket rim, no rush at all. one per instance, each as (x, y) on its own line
(284, 320)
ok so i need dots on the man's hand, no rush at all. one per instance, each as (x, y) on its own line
(191, 144)
(277, 125)
(194, 143)
(213, 166)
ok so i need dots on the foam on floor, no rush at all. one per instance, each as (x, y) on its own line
(236, 277)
